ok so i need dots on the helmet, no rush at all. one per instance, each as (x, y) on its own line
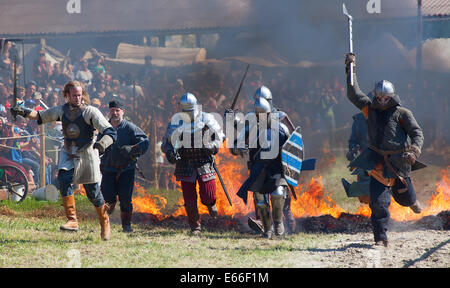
(262, 106)
(188, 104)
(263, 92)
(384, 88)
(384, 91)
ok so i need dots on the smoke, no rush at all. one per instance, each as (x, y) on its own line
(315, 32)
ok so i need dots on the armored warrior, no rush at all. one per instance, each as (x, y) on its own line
(118, 164)
(79, 159)
(395, 142)
(192, 139)
(264, 92)
(255, 224)
(266, 179)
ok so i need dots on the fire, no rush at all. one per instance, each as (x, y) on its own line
(439, 201)
(313, 199)
(146, 203)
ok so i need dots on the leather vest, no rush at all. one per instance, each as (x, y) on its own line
(75, 129)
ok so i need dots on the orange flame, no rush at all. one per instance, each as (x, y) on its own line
(439, 201)
(152, 204)
(313, 199)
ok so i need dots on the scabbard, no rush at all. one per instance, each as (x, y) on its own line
(222, 183)
(292, 191)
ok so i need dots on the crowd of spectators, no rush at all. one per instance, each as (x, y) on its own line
(314, 101)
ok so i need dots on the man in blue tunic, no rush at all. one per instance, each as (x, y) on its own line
(118, 164)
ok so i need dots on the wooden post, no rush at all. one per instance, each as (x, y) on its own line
(42, 170)
(155, 141)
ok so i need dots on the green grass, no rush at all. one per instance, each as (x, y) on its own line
(30, 241)
(30, 236)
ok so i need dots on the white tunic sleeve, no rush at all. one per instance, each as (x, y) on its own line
(51, 114)
(93, 116)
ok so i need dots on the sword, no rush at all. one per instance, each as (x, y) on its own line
(350, 38)
(292, 191)
(221, 180)
(140, 172)
(15, 85)
(239, 89)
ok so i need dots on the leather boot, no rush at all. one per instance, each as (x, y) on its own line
(290, 221)
(289, 216)
(416, 207)
(69, 206)
(277, 213)
(193, 218)
(212, 209)
(111, 207)
(384, 243)
(104, 221)
(256, 225)
(126, 221)
(264, 214)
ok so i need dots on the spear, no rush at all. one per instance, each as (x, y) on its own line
(350, 37)
(239, 89)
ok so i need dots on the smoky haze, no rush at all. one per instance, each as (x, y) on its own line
(385, 45)
(291, 31)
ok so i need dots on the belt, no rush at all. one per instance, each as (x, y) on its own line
(385, 154)
(192, 161)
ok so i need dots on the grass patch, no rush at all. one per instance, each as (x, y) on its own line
(30, 236)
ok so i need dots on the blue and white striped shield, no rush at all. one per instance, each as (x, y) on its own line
(292, 157)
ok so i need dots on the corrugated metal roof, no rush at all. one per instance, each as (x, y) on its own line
(436, 8)
(46, 17)
(19, 17)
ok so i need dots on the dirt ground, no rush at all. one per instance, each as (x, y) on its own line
(417, 248)
(347, 241)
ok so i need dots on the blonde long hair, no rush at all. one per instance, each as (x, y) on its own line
(72, 84)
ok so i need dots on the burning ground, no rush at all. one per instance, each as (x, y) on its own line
(415, 240)
(332, 230)
(315, 209)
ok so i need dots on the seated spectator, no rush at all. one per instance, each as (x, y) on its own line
(84, 74)
(30, 88)
(54, 98)
(42, 69)
(68, 74)
(58, 75)
(98, 67)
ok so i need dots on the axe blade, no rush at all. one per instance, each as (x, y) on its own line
(345, 11)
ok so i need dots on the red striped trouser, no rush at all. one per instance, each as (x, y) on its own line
(207, 191)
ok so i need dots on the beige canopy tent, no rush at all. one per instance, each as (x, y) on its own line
(130, 57)
(392, 53)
